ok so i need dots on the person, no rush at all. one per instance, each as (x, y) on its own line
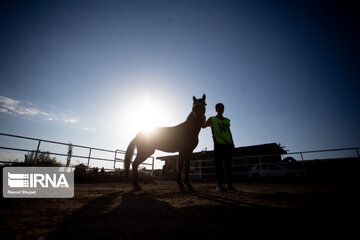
(223, 147)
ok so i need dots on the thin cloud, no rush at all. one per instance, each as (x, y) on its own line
(17, 108)
(14, 107)
(26, 110)
(88, 129)
(70, 120)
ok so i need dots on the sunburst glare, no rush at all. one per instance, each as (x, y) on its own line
(145, 114)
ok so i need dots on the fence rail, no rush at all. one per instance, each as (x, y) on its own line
(201, 169)
(89, 156)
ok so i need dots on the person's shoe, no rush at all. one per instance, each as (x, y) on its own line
(231, 188)
(220, 188)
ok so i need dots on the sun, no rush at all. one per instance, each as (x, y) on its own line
(146, 118)
(144, 114)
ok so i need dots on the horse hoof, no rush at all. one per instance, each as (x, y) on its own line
(190, 188)
(182, 188)
(137, 187)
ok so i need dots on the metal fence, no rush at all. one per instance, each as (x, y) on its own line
(303, 162)
(84, 154)
(94, 157)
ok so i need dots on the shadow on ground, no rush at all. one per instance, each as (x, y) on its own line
(141, 216)
(113, 211)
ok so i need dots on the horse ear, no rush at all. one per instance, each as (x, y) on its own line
(204, 97)
(194, 98)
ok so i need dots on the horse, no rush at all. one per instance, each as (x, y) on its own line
(182, 138)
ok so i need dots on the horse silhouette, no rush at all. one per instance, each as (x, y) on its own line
(182, 138)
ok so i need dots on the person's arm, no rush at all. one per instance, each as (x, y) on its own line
(207, 123)
(232, 140)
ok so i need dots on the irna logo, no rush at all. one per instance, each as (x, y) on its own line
(16, 180)
(38, 182)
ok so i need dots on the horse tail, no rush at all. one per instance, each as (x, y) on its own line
(128, 156)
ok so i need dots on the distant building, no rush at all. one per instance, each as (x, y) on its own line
(202, 163)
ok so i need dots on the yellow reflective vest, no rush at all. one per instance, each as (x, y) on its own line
(221, 130)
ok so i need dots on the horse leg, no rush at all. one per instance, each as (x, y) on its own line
(187, 170)
(142, 154)
(180, 168)
(135, 180)
(138, 160)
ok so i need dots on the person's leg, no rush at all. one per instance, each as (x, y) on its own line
(228, 167)
(219, 170)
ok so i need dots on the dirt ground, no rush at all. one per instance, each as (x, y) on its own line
(160, 211)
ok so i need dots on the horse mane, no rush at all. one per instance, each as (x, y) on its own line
(191, 117)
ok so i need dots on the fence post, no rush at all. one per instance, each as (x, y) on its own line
(115, 159)
(69, 154)
(37, 150)
(357, 151)
(89, 159)
(152, 166)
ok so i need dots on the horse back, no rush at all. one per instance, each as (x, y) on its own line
(169, 139)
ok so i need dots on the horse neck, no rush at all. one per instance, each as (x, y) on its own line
(193, 122)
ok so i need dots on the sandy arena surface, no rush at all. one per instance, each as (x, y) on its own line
(160, 211)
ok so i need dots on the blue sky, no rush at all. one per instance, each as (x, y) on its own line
(95, 72)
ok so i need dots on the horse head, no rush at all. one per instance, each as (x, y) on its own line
(199, 106)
